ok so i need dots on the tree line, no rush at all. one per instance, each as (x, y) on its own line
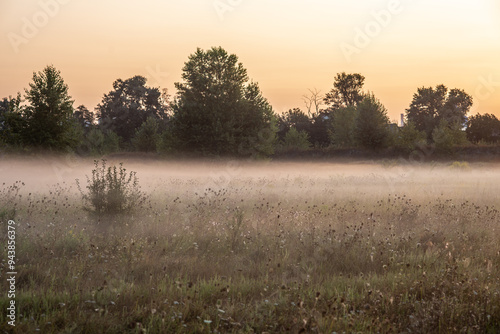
(218, 110)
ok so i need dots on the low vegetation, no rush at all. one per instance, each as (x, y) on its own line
(111, 190)
(392, 253)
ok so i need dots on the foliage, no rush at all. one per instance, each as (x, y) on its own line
(343, 129)
(48, 115)
(12, 123)
(293, 118)
(84, 117)
(295, 141)
(98, 142)
(111, 190)
(147, 137)
(460, 165)
(409, 138)
(446, 136)
(218, 111)
(346, 91)
(485, 128)
(166, 142)
(431, 106)
(372, 123)
(128, 105)
(316, 125)
(321, 124)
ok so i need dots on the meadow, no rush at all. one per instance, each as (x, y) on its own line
(256, 247)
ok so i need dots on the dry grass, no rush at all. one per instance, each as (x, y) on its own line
(362, 249)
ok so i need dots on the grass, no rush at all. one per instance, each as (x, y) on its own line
(286, 254)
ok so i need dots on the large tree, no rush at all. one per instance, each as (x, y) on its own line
(431, 107)
(218, 110)
(49, 113)
(343, 127)
(372, 123)
(12, 122)
(346, 91)
(128, 105)
(483, 128)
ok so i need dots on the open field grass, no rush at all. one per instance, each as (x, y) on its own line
(233, 247)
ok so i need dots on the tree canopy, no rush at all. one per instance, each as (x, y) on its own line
(128, 105)
(430, 107)
(48, 115)
(218, 110)
(346, 90)
(372, 125)
(484, 128)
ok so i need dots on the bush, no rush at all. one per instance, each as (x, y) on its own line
(111, 190)
(147, 137)
(342, 131)
(460, 165)
(296, 141)
(98, 142)
(372, 124)
(409, 138)
(446, 136)
(9, 197)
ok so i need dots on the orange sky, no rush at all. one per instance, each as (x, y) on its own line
(287, 46)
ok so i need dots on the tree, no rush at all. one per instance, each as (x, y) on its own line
(295, 118)
(314, 99)
(484, 128)
(12, 123)
(48, 115)
(431, 106)
(128, 105)
(218, 111)
(346, 91)
(408, 138)
(84, 117)
(447, 135)
(343, 128)
(372, 124)
(320, 129)
(147, 137)
(296, 140)
(98, 142)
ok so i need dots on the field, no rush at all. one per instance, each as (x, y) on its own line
(254, 247)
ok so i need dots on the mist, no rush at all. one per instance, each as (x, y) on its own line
(357, 180)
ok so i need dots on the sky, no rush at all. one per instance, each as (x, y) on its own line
(287, 46)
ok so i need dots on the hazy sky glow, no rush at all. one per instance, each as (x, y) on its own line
(287, 46)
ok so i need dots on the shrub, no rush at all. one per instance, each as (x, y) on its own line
(111, 190)
(409, 138)
(147, 137)
(342, 131)
(460, 165)
(296, 141)
(446, 136)
(98, 142)
(372, 124)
